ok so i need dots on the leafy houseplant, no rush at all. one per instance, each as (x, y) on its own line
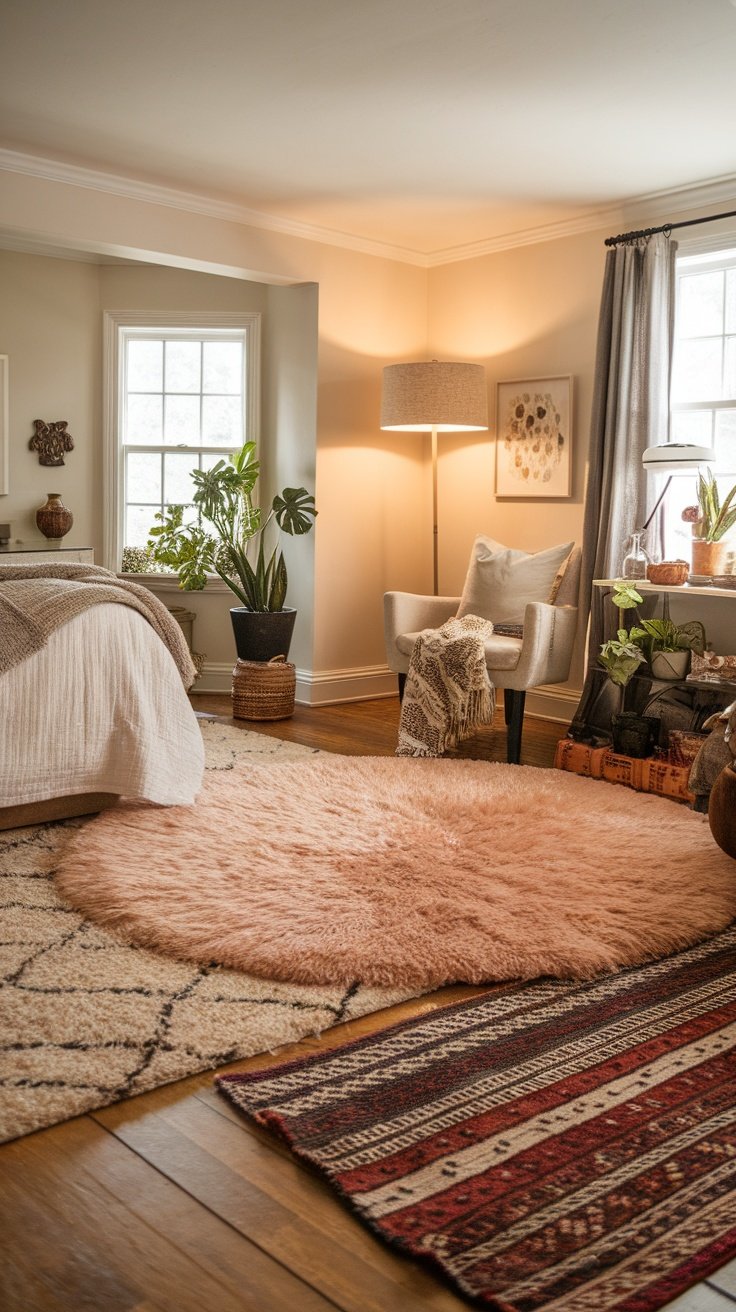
(621, 657)
(667, 646)
(230, 540)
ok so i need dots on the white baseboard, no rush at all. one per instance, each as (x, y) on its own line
(328, 687)
(552, 703)
(216, 676)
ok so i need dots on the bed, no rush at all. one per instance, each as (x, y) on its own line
(98, 713)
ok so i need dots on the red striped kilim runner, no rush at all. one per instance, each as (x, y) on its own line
(551, 1144)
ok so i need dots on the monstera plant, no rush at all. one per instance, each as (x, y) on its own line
(230, 539)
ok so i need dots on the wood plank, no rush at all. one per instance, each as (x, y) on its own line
(370, 728)
(700, 1299)
(82, 1217)
(725, 1279)
(277, 1204)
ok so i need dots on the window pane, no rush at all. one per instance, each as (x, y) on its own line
(143, 420)
(143, 477)
(692, 426)
(182, 421)
(222, 421)
(223, 367)
(697, 372)
(139, 520)
(729, 368)
(700, 304)
(178, 485)
(209, 459)
(183, 366)
(726, 440)
(731, 300)
(145, 366)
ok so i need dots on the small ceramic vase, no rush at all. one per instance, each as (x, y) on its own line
(53, 518)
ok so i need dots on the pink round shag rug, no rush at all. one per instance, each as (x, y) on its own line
(404, 872)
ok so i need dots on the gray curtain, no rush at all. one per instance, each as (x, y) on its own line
(630, 412)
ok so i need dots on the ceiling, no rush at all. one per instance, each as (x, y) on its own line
(425, 124)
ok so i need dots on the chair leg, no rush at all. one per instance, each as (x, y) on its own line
(514, 710)
(402, 685)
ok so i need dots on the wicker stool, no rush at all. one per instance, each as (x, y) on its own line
(264, 690)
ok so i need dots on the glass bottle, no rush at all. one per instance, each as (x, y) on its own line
(636, 559)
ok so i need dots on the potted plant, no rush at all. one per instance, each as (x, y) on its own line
(711, 521)
(621, 657)
(667, 646)
(230, 540)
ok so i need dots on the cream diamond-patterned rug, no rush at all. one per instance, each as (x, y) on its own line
(86, 1020)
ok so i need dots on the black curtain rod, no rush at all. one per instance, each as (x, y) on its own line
(666, 227)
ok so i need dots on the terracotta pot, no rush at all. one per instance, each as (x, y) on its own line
(53, 518)
(709, 558)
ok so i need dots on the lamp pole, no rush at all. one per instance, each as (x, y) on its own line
(435, 518)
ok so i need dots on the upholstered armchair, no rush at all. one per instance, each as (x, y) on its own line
(541, 655)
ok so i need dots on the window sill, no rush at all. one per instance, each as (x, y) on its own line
(170, 583)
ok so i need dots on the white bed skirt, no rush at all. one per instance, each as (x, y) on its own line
(100, 709)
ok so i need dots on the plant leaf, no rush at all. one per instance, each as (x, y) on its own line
(294, 510)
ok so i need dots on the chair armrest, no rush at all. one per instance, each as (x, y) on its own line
(547, 646)
(408, 612)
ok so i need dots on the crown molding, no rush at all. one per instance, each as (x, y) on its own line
(636, 210)
(190, 202)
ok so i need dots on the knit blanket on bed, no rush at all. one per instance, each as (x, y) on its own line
(447, 693)
(37, 599)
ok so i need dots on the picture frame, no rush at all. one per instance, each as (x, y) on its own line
(4, 428)
(534, 438)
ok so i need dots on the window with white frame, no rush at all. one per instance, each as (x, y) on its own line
(182, 396)
(703, 401)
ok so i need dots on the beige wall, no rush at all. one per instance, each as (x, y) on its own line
(50, 330)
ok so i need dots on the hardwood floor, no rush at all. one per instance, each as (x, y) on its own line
(169, 1202)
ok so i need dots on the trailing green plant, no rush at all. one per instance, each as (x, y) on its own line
(715, 518)
(229, 538)
(621, 656)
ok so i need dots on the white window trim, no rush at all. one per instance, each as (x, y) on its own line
(114, 324)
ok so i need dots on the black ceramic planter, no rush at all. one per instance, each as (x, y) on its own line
(262, 634)
(634, 735)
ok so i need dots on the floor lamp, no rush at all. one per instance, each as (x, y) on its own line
(434, 396)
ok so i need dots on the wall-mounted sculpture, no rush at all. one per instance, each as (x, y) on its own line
(51, 441)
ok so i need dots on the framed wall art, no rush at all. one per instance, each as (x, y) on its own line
(534, 437)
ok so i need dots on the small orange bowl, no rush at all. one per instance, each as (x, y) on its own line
(670, 572)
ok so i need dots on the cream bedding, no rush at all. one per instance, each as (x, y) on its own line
(101, 708)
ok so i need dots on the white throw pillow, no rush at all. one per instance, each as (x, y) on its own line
(500, 581)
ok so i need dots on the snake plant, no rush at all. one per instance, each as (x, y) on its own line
(715, 518)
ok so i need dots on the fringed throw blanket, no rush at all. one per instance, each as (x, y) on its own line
(37, 599)
(448, 692)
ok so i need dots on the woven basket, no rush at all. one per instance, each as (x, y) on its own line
(264, 690)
